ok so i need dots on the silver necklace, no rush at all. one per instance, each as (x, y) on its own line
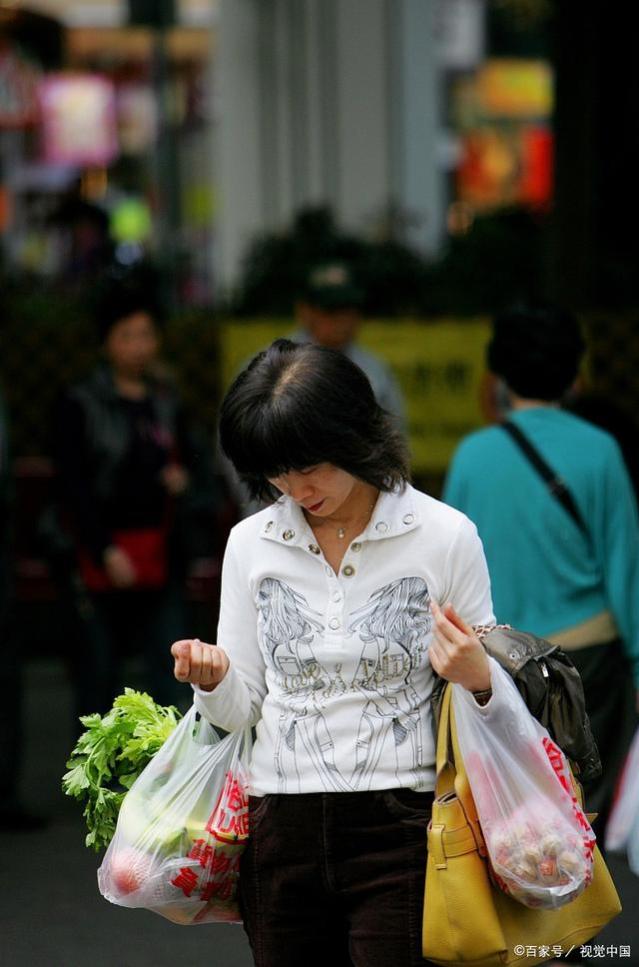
(341, 531)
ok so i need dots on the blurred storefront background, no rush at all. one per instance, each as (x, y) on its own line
(468, 152)
(105, 137)
(196, 125)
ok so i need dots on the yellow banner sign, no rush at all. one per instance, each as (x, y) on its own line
(439, 366)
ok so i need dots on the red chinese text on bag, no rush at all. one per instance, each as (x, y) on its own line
(218, 853)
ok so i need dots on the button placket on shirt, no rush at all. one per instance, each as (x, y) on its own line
(334, 613)
(337, 592)
(335, 628)
(336, 598)
(339, 586)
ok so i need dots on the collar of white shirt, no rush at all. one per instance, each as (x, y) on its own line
(394, 514)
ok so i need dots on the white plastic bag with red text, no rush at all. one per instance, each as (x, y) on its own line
(539, 841)
(182, 827)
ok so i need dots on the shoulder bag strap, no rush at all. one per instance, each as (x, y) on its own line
(553, 481)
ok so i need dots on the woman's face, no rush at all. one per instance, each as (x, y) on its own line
(132, 344)
(320, 490)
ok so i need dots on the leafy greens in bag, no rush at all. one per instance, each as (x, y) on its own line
(111, 754)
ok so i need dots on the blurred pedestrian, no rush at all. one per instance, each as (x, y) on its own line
(557, 516)
(329, 637)
(125, 460)
(329, 313)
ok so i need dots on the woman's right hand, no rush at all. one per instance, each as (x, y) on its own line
(199, 663)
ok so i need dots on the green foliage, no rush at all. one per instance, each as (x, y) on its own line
(276, 268)
(111, 754)
(499, 260)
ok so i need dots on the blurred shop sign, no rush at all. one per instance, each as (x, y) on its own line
(499, 168)
(18, 90)
(78, 119)
(440, 366)
(514, 88)
(502, 119)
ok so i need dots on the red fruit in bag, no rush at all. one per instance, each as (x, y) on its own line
(128, 870)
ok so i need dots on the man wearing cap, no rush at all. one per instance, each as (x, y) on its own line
(329, 314)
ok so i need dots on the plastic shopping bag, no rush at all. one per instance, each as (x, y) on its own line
(182, 827)
(625, 810)
(539, 841)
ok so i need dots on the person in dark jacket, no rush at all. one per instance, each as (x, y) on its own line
(125, 460)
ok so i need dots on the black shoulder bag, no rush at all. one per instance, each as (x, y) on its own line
(553, 481)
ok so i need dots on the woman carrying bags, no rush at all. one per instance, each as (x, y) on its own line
(340, 602)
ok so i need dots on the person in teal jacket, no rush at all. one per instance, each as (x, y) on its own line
(576, 587)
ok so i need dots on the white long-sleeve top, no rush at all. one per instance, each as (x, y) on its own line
(333, 669)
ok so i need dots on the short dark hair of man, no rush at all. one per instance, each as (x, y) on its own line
(536, 349)
(296, 406)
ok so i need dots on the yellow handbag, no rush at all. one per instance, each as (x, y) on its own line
(468, 921)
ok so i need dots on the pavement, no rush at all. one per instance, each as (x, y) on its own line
(52, 915)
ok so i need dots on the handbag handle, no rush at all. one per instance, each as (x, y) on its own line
(452, 777)
(444, 760)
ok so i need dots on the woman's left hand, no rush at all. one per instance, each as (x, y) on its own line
(456, 652)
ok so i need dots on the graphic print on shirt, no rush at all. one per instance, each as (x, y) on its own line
(288, 627)
(389, 642)
(393, 626)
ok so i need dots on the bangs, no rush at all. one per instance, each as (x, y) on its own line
(271, 444)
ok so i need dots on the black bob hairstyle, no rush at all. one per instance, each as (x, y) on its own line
(296, 406)
(536, 348)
